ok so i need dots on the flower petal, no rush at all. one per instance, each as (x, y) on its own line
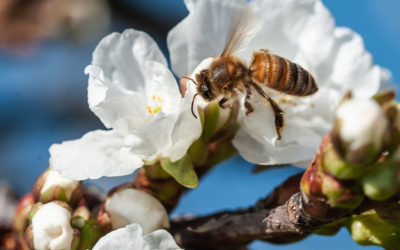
(162, 88)
(201, 34)
(149, 141)
(130, 237)
(353, 68)
(129, 205)
(263, 152)
(120, 70)
(98, 153)
(186, 130)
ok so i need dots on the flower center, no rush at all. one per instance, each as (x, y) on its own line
(155, 104)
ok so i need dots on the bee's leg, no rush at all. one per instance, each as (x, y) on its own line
(222, 102)
(278, 112)
(249, 107)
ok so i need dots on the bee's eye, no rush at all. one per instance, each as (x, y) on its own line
(205, 92)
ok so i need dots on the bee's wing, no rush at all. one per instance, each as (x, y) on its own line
(242, 30)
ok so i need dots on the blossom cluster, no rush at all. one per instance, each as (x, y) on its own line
(150, 121)
(136, 96)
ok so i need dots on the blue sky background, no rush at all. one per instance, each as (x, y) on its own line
(43, 101)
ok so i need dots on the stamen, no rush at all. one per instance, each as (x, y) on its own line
(156, 110)
(148, 109)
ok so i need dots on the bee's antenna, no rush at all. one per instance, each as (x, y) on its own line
(194, 97)
(188, 78)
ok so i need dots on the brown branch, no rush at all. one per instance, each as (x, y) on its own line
(284, 224)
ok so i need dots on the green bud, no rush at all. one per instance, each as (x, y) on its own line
(334, 164)
(382, 181)
(91, 232)
(52, 186)
(368, 229)
(340, 193)
(80, 216)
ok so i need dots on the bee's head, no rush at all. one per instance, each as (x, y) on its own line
(203, 86)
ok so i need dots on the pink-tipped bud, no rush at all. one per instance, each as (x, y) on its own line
(20, 221)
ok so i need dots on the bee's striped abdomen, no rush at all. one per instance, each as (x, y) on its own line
(281, 74)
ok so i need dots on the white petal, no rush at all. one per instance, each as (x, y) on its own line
(130, 205)
(149, 141)
(353, 68)
(162, 86)
(257, 141)
(115, 108)
(187, 129)
(119, 74)
(98, 153)
(263, 152)
(201, 34)
(130, 238)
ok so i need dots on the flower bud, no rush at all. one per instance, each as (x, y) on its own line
(335, 165)
(51, 228)
(368, 229)
(20, 221)
(317, 183)
(126, 205)
(80, 216)
(382, 181)
(360, 130)
(52, 186)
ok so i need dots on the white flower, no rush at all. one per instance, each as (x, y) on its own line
(51, 227)
(361, 122)
(305, 33)
(134, 94)
(130, 238)
(129, 205)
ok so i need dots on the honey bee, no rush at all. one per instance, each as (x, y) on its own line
(228, 76)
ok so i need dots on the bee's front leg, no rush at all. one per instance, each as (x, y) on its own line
(249, 107)
(222, 103)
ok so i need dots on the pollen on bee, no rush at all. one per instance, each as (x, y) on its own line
(288, 100)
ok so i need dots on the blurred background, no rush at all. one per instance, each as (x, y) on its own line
(45, 46)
